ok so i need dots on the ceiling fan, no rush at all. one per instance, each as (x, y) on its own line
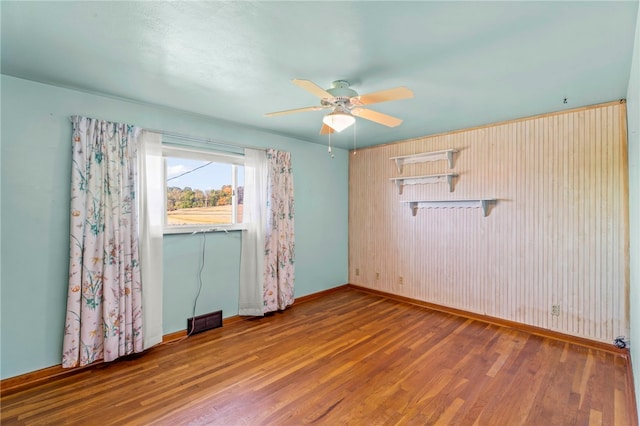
(346, 104)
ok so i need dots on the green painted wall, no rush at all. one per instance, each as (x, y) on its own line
(633, 126)
(35, 174)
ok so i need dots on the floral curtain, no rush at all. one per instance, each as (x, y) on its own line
(104, 304)
(279, 238)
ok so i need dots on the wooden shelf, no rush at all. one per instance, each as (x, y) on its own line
(438, 204)
(423, 157)
(416, 180)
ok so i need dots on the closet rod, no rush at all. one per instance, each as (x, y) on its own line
(195, 139)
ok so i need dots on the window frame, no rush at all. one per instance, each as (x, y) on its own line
(192, 153)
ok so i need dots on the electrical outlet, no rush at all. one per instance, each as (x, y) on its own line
(621, 342)
(377, 275)
(555, 310)
(357, 272)
(401, 281)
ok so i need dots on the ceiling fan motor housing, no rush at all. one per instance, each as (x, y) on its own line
(341, 89)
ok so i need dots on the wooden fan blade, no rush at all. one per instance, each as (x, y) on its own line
(312, 88)
(291, 111)
(325, 130)
(382, 96)
(377, 117)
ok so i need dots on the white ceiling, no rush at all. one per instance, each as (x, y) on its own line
(468, 63)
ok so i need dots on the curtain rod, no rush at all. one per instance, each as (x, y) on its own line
(206, 140)
(192, 138)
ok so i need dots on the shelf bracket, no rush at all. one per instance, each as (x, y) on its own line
(450, 177)
(399, 162)
(485, 206)
(413, 205)
(450, 158)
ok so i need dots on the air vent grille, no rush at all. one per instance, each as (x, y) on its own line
(204, 322)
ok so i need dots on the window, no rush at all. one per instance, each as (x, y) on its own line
(203, 189)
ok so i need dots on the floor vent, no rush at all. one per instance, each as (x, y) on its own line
(204, 322)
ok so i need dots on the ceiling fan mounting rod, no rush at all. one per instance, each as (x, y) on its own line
(341, 89)
(340, 84)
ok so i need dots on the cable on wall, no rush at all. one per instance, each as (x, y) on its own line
(199, 276)
(199, 280)
(204, 246)
(195, 300)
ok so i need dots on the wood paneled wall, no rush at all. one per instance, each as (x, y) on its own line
(558, 234)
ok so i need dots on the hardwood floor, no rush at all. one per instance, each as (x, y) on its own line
(347, 358)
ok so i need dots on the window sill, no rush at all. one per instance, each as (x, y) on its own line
(198, 229)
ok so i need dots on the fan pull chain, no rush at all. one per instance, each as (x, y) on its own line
(355, 128)
(329, 150)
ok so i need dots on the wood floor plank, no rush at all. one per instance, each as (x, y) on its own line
(348, 357)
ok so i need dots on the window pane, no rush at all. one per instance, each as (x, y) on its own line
(199, 192)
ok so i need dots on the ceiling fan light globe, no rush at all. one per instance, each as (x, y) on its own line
(338, 121)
